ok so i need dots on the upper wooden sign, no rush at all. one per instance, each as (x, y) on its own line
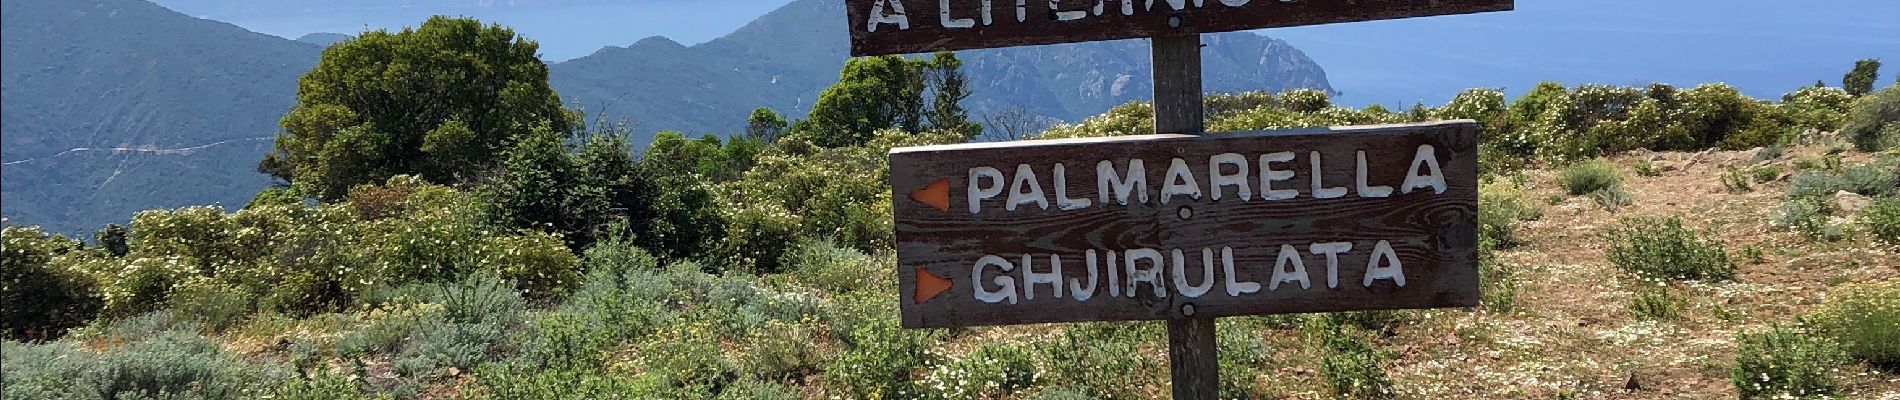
(1140, 227)
(915, 26)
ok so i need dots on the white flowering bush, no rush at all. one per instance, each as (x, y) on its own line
(1783, 362)
(41, 298)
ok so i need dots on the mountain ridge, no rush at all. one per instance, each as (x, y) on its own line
(136, 77)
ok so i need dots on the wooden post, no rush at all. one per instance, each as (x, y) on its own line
(1192, 356)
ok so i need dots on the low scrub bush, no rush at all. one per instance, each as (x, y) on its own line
(1736, 181)
(881, 361)
(1613, 198)
(1101, 359)
(1589, 176)
(1865, 320)
(1664, 249)
(40, 300)
(218, 305)
(506, 382)
(1350, 365)
(1874, 122)
(993, 371)
(1809, 217)
(172, 364)
(1657, 304)
(686, 357)
(1785, 361)
(1501, 207)
(1882, 219)
(1499, 278)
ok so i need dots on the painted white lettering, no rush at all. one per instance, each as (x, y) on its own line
(1180, 181)
(943, 16)
(1056, 5)
(1434, 178)
(987, 19)
(1207, 274)
(1006, 284)
(1235, 287)
(1364, 189)
(1217, 180)
(1031, 277)
(1289, 255)
(978, 192)
(1235, 3)
(1108, 182)
(1026, 179)
(1268, 176)
(1151, 275)
(1062, 192)
(1392, 270)
(1113, 270)
(1320, 191)
(895, 15)
(1076, 290)
(1332, 252)
(1022, 11)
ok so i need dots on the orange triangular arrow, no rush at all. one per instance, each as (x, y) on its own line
(936, 195)
(929, 286)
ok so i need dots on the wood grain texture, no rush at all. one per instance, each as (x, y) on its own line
(1435, 235)
(1149, 18)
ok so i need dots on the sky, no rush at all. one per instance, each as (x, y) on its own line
(1763, 47)
(566, 29)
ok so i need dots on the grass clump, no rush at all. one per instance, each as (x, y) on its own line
(1664, 249)
(1865, 320)
(1500, 208)
(1808, 216)
(1736, 181)
(1785, 362)
(993, 371)
(1657, 304)
(1589, 176)
(1099, 359)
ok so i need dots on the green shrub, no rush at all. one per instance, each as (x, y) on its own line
(1060, 394)
(1766, 173)
(1500, 208)
(218, 305)
(1874, 123)
(1100, 359)
(39, 299)
(757, 390)
(881, 361)
(1589, 176)
(832, 269)
(1499, 279)
(1662, 248)
(780, 350)
(568, 342)
(325, 385)
(1350, 365)
(1646, 167)
(992, 371)
(1736, 181)
(1882, 219)
(1873, 179)
(1809, 217)
(1241, 354)
(1613, 198)
(1657, 304)
(508, 382)
(1863, 320)
(687, 357)
(1785, 362)
(171, 364)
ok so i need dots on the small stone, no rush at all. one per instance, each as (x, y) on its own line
(1631, 384)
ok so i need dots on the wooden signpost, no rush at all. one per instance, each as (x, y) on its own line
(1179, 226)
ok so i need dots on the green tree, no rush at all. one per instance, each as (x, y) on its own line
(764, 125)
(1860, 80)
(1874, 122)
(438, 101)
(944, 73)
(872, 93)
(551, 185)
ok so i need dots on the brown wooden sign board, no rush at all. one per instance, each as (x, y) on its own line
(915, 26)
(1292, 221)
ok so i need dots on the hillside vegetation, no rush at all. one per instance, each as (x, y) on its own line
(1637, 242)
